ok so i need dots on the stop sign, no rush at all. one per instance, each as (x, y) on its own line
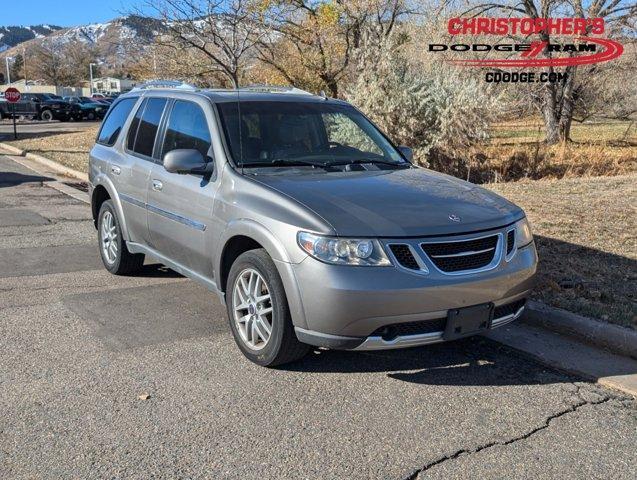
(12, 95)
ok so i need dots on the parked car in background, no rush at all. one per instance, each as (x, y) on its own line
(42, 106)
(91, 110)
(310, 224)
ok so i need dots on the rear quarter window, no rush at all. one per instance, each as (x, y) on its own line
(115, 121)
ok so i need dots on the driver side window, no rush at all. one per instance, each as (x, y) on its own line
(187, 129)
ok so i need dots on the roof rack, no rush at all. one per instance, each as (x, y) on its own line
(274, 89)
(176, 84)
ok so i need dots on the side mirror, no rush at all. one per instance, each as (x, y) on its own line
(407, 152)
(184, 161)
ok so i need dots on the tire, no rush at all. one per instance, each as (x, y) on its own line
(281, 346)
(90, 116)
(115, 255)
(46, 116)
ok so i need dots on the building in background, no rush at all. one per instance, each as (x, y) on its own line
(112, 85)
(39, 86)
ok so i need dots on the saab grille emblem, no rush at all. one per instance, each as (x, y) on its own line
(454, 218)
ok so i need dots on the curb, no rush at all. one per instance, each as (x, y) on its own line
(55, 166)
(619, 340)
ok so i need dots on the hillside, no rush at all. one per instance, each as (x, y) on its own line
(15, 35)
(114, 42)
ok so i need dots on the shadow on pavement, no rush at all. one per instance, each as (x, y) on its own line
(12, 179)
(156, 270)
(475, 361)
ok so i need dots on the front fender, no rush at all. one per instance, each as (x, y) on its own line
(101, 179)
(256, 231)
(278, 253)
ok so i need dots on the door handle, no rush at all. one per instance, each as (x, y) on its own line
(115, 170)
(157, 185)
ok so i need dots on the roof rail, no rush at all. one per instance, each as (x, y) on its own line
(274, 89)
(176, 84)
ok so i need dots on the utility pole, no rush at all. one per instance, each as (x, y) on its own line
(24, 65)
(6, 61)
(90, 68)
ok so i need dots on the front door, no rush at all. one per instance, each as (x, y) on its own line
(180, 206)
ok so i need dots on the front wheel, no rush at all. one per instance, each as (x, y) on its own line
(115, 255)
(258, 311)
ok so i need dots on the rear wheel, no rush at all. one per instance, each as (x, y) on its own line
(115, 255)
(46, 115)
(258, 311)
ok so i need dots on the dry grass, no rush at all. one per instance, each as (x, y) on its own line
(68, 148)
(516, 151)
(586, 232)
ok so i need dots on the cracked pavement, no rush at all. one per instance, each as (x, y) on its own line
(79, 347)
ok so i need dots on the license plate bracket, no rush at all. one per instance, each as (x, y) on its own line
(463, 322)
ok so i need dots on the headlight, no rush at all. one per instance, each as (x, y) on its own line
(523, 234)
(343, 251)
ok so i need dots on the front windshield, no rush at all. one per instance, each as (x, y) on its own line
(50, 96)
(295, 132)
(85, 100)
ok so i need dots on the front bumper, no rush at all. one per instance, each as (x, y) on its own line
(343, 307)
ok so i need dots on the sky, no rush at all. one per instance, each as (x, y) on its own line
(64, 13)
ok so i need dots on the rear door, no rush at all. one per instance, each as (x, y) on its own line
(180, 206)
(133, 175)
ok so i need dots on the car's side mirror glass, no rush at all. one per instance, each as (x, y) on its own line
(407, 152)
(184, 161)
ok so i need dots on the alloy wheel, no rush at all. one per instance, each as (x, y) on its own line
(252, 305)
(109, 237)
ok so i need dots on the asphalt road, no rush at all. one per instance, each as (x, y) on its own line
(78, 347)
(30, 128)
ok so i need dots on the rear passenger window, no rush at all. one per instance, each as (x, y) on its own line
(187, 129)
(115, 121)
(141, 136)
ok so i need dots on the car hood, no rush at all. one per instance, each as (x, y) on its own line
(395, 203)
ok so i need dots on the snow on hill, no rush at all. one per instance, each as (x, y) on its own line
(15, 35)
(114, 42)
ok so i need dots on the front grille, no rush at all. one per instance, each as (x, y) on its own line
(389, 332)
(510, 241)
(508, 309)
(460, 256)
(404, 256)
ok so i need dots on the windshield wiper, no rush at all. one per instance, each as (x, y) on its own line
(360, 161)
(284, 162)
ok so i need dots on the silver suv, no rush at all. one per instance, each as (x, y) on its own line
(305, 219)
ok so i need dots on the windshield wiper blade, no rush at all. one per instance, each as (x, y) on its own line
(286, 162)
(360, 161)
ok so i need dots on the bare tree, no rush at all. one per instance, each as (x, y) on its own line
(315, 42)
(557, 101)
(222, 32)
(48, 61)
